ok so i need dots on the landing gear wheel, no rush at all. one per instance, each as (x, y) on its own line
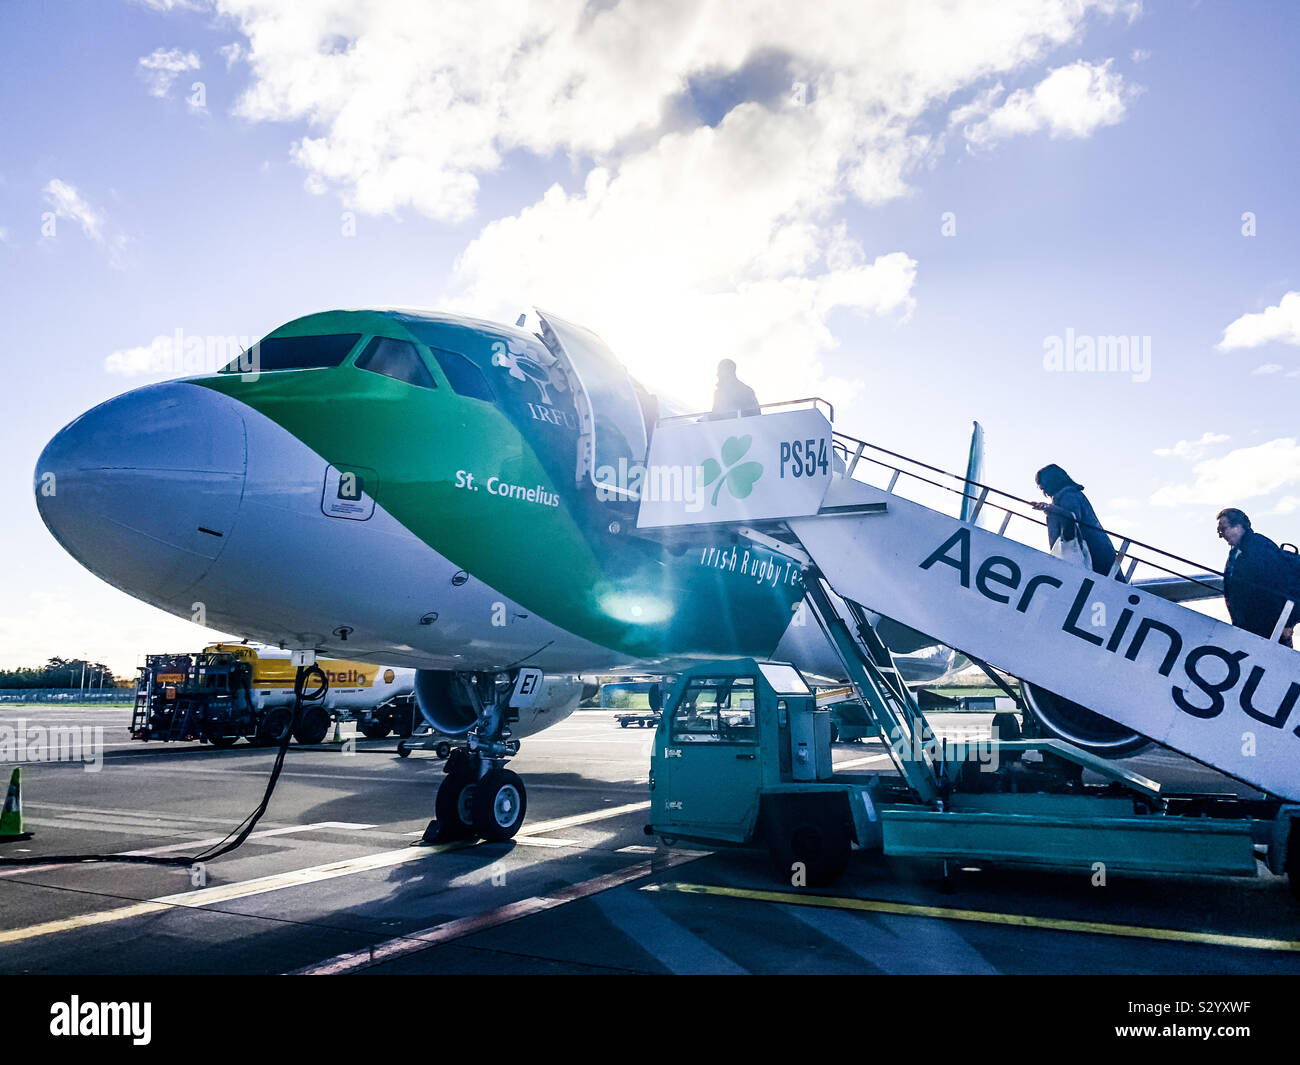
(452, 806)
(375, 730)
(821, 846)
(403, 751)
(223, 741)
(270, 733)
(312, 725)
(498, 805)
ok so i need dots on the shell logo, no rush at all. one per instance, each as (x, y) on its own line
(389, 675)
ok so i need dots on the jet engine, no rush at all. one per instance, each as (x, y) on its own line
(444, 702)
(1086, 729)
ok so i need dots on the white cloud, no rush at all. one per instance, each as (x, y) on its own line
(232, 53)
(409, 104)
(1072, 101)
(1287, 505)
(161, 67)
(683, 240)
(1267, 368)
(1280, 323)
(1246, 473)
(1192, 449)
(173, 5)
(69, 204)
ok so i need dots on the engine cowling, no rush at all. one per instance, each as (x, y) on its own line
(1076, 724)
(445, 704)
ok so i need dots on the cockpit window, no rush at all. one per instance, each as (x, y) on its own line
(466, 378)
(397, 359)
(294, 353)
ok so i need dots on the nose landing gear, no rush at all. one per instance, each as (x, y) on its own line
(479, 797)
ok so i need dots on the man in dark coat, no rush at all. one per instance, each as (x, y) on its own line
(1256, 578)
(733, 396)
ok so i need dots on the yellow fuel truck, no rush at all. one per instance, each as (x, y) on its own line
(233, 690)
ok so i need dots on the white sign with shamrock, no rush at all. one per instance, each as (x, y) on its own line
(738, 469)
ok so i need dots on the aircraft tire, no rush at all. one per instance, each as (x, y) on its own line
(452, 805)
(499, 804)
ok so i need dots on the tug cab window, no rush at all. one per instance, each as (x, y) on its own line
(463, 376)
(397, 359)
(716, 710)
(295, 353)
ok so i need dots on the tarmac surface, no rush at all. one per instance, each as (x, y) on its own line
(332, 879)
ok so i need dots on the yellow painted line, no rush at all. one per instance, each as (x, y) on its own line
(228, 892)
(1017, 920)
(69, 924)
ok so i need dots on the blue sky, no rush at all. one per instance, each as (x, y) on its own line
(656, 174)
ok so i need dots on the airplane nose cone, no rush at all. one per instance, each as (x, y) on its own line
(144, 490)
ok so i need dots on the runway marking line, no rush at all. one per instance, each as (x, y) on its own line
(188, 844)
(434, 936)
(1018, 920)
(278, 881)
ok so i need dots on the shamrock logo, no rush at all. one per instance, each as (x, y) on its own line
(739, 477)
(520, 363)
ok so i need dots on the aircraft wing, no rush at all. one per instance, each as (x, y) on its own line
(1183, 589)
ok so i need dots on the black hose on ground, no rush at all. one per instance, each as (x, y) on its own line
(239, 833)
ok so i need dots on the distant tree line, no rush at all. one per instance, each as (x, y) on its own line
(63, 673)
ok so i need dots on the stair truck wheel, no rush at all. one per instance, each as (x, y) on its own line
(499, 805)
(813, 835)
(312, 725)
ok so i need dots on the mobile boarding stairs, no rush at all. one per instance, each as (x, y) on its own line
(870, 531)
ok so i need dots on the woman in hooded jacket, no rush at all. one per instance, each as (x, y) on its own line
(1070, 517)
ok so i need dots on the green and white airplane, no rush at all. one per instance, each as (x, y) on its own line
(427, 490)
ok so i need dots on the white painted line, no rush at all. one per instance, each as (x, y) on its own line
(186, 845)
(229, 892)
(583, 819)
(638, 848)
(294, 878)
(545, 841)
(413, 942)
(862, 761)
